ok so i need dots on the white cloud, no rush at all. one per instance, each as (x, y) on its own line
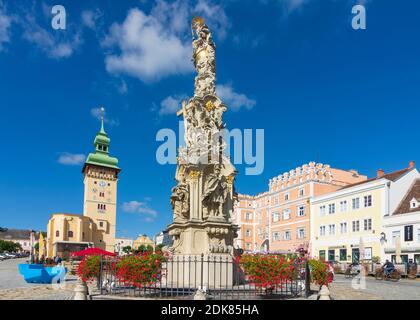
(142, 208)
(122, 87)
(96, 113)
(158, 45)
(293, 5)
(234, 100)
(5, 25)
(171, 104)
(288, 6)
(70, 159)
(90, 18)
(147, 50)
(215, 16)
(50, 43)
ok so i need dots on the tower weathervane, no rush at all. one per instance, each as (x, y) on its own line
(102, 112)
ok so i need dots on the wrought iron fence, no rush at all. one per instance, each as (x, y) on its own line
(221, 277)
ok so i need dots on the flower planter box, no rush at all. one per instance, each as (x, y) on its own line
(37, 273)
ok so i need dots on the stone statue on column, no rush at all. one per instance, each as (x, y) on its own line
(203, 199)
(215, 193)
(180, 201)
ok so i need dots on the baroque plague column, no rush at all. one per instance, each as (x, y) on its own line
(203, 198)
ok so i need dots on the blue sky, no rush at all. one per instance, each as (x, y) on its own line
(295, 68)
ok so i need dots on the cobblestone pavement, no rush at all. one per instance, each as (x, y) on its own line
(347, 289)
(14, 287)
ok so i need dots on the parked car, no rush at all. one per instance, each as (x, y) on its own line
(11, 255)
(3, 256)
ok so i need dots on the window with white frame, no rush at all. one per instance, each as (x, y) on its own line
(276, 216)
(248, 233)
(301, 211)
(418, 235)
(322, 211)
(367, 224)
(286, 214)
(395, 235)
(301, 233)
(322, 231)
(248, 216)
(287, 235)
(286, 197)
(343, 206)
(343, 227)
(355, 203)
(356, 226)
(301, 192)
(331, 229)
(368, 201)
(248, 246)
(331, 208)
(276, 236)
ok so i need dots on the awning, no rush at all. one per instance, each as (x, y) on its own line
(93, 252)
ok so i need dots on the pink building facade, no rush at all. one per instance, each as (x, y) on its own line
(278, 220)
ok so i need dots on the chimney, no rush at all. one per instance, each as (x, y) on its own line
(411, 165)
(380, 173)
(354, 172)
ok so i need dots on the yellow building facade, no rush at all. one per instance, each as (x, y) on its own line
(347, 225)
(142, 240)
(97, 226)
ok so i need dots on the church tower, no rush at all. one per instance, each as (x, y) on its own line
(100, 195)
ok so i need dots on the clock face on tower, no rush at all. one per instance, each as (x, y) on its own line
(102, 184)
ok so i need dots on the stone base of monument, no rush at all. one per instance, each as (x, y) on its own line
(213, 271)
(213, 236)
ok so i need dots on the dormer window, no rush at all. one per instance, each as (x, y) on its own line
(414, 203)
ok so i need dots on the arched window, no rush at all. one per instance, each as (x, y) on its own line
(57, 233)
(70, 234)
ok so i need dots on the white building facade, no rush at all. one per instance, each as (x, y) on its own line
(121, 243)
(344, 221)
(402, 228)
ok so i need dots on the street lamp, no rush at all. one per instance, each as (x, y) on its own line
(383, 238)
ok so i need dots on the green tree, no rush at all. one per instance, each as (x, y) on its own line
(127, 249)
(9, 246)
(36, 247)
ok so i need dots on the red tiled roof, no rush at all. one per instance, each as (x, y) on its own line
(392, 176)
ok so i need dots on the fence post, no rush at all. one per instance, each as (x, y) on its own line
(307, 279)
(202, 271)
(100, 276)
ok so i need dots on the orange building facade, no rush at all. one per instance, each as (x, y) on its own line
(278, 220)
